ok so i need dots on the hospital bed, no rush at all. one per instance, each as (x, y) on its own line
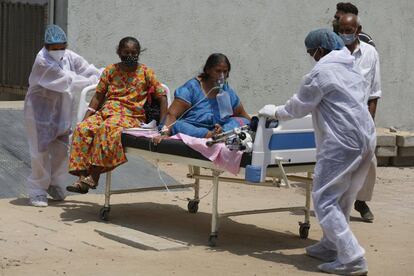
(278, 153)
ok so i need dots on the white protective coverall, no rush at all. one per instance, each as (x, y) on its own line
(48, 112)
(345, 140)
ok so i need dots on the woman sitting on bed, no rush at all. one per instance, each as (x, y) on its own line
(118, 103)
(205, 105)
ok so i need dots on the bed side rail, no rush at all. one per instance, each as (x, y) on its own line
(290, 142)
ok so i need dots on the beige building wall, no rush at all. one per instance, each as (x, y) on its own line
(263, 39)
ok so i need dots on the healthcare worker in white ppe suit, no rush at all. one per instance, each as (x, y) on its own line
(56, 75)
(333, 92)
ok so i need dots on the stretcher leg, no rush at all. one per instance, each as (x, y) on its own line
(192, 205)
(308, 198)
(214, 213)
(305, 226)
(104, 213)
(196, 171)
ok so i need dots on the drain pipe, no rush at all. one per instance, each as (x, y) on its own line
(51, 11)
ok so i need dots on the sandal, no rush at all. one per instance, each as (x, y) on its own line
(89, 182)
(78, 187)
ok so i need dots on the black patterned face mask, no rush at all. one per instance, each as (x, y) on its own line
(130, 60)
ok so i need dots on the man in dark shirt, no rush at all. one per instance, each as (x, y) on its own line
(343, 8)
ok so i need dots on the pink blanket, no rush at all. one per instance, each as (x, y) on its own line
(219, 154)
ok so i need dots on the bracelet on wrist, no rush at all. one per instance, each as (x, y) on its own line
(165, 131)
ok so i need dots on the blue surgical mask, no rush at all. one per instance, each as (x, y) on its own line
(348, 38)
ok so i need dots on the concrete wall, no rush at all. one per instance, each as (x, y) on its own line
(61, 13)
(263, 40)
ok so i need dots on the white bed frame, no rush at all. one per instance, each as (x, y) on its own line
(274, 173)
(299, 160)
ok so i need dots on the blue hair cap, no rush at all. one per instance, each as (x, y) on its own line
(323, 38)
(54, 35)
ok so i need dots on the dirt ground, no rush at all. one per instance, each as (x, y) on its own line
(64, 239)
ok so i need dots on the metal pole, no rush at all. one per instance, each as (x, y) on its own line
(196, 171)
(279, 163)
(214, 214)
(108, 188)
(308, 197)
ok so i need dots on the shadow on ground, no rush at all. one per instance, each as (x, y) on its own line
(174, 223)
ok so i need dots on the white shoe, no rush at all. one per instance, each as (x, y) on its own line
(56, 192)
(38, 201)
(320, 252)
(357, 267)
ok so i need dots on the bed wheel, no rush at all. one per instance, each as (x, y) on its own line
(212, 240)
(192, 206)
(104, 213)
(304, 230)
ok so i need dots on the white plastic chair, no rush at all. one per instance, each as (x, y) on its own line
(84, 100)
(170, 96)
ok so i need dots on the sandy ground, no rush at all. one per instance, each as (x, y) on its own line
(64, 238)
